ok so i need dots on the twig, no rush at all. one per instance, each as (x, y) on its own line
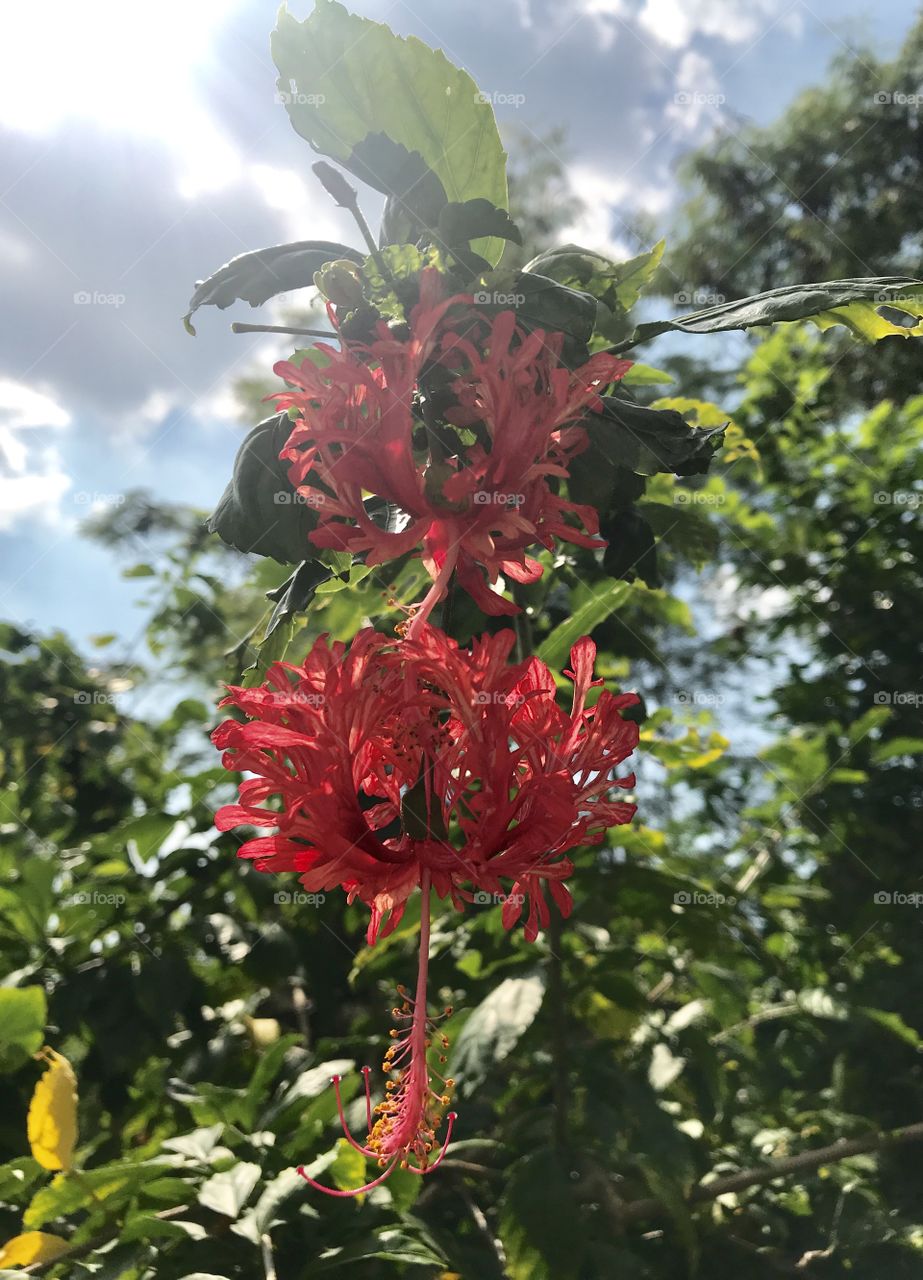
(237, 327)
(480, 1221)
(269, 1265)
(467, 1166)
(803, 1162)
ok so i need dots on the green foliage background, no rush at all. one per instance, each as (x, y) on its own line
(740, 978)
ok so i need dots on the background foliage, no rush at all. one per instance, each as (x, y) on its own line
(739, 979)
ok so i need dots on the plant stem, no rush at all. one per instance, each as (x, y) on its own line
(804, 1161)
(237, 327)
(269, 1264)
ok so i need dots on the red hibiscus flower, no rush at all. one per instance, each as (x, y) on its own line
(357, 743)
(478, 496)
(399, 764)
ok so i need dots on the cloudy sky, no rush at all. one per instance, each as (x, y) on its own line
(141, 147)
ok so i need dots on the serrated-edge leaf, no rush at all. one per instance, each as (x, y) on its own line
(343, 77)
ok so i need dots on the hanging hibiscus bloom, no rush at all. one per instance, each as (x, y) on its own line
(474, 495)
(418, 764)
(389, 758)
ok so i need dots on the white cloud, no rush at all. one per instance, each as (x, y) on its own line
(698, 95)
(32, 480)
(599, 226)
(675, 22)
(129, 69)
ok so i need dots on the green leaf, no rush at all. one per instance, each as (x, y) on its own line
(197, 1145)
(348, 1169)
(541, 303)
(229, 1191)
(22, 1025)
(617, 284)
(469, 220)
(540, 1224)
(645, 375)
(343, 77)
(873, 308)
(296, 593)
(408, 1244)
(650, 441)
(262, 1217)
(494, 1028)
(603, 598)
(415, 194)
(256, 276)
(632, 551)
(894, 1023)
(66, 1193)
(689, 532)
(895, 748)
(259, 511)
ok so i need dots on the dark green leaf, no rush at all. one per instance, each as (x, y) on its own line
(632, 552)
(542, 1245)
(295, 593)
(259, 511)
(649, 441)
(460, 223)
(261, 274)
(863, 305)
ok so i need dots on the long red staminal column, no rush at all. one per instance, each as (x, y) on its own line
(436, 593)
(407, 1118)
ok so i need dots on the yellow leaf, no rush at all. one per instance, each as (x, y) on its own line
(52, 1122)
(33, 1246)
(264, 1031)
